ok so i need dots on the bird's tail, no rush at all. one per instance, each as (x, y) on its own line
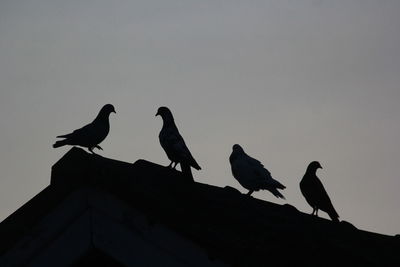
(333, 215)
(59, 143)
(65, 135)
(273, 187)
(187, 171)
(194, 164)
(277, 193)
(279, 185)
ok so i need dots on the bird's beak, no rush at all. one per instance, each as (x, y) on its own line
(114, 111)
(157, 114)
(320, 167)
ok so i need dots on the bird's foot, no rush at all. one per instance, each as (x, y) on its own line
(98, 147)
(91, 150)
(249, 193)
(313, 213)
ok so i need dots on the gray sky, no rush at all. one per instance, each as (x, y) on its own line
(290, 81)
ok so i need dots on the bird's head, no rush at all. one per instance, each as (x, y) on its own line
(107, 109)
(237, 148)
(314, 166)
(164, 112)
(237, 152)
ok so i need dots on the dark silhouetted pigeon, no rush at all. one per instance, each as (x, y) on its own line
(251, 174)
(91, 135)
(314, 192)
(173, 143)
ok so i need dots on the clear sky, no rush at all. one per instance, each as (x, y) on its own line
(290, 81)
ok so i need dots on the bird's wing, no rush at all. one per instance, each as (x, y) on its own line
(321, 195)
(260, 172)
(85, 130)
(185, 154)
(323, 201)
(252, 161)
(88, 135)
(247, 171)
(262, 175)
(174, 144)
(252, 175)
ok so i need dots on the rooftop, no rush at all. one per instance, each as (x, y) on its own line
(191, 221)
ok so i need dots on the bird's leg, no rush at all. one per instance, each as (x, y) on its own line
(170, 165)
(91, 150)
(316, 212)
(176, 163)
(250, 192)
(313, 211)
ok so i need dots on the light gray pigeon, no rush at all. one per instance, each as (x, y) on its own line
(91, 135)
(173, 143)
(251, 174)
(315, 193)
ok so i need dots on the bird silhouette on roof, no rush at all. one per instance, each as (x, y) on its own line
(173, 144)
(314, 192)
(251, 174)
(91, 135)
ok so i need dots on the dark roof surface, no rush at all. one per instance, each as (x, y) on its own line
(229, 226)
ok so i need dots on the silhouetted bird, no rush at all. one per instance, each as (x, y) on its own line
(251, 174)
(314, 192)
(91, 135)
(173, 143)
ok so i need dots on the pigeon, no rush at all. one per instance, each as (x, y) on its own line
(251, 174)
(314, 192)
(173, 144)
(91, 135)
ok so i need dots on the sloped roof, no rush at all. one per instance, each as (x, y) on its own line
(228, 226)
